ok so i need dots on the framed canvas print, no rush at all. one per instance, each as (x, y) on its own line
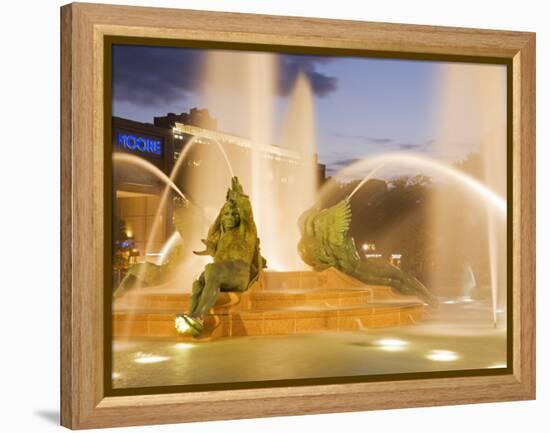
(268, 216)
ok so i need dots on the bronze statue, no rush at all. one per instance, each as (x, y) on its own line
(325, 243)
(233, 243)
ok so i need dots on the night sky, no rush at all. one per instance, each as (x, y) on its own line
(363, 106)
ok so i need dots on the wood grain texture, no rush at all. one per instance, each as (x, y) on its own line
(524, 215)
(83, 404)
(67, 388)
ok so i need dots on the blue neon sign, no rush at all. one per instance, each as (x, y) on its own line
(136, 143)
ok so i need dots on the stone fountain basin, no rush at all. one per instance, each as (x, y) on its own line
(280, 303)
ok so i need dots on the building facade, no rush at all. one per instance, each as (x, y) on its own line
(138, 189)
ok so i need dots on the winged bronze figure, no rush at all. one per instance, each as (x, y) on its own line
(325, 242)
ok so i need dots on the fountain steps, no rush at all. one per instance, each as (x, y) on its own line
(338, 303)
(261, 299)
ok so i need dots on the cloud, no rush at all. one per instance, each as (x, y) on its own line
(424, 146)
(344, 162)
(291, 65)
(155, 76)
(339, 160)
(408, 146)
(389, 142)
(365, 138)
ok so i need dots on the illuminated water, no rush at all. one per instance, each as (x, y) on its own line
(479, 103)
(427, 165)
(157, 220)
(494, 203)
(278, 195)
(458, 336)
(126, 158)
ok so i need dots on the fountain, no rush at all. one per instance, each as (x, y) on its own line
(492, 203)
(175, 237)
(479, 101)
(417, 162)
(291, 300)
(288, 298)
(141, 163)
(278, 196)
(299, 136)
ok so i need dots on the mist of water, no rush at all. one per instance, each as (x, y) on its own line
(165, 194)
(300, 185)
(278, 194)
(479, 103)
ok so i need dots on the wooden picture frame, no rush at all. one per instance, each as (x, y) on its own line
(84, 28)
